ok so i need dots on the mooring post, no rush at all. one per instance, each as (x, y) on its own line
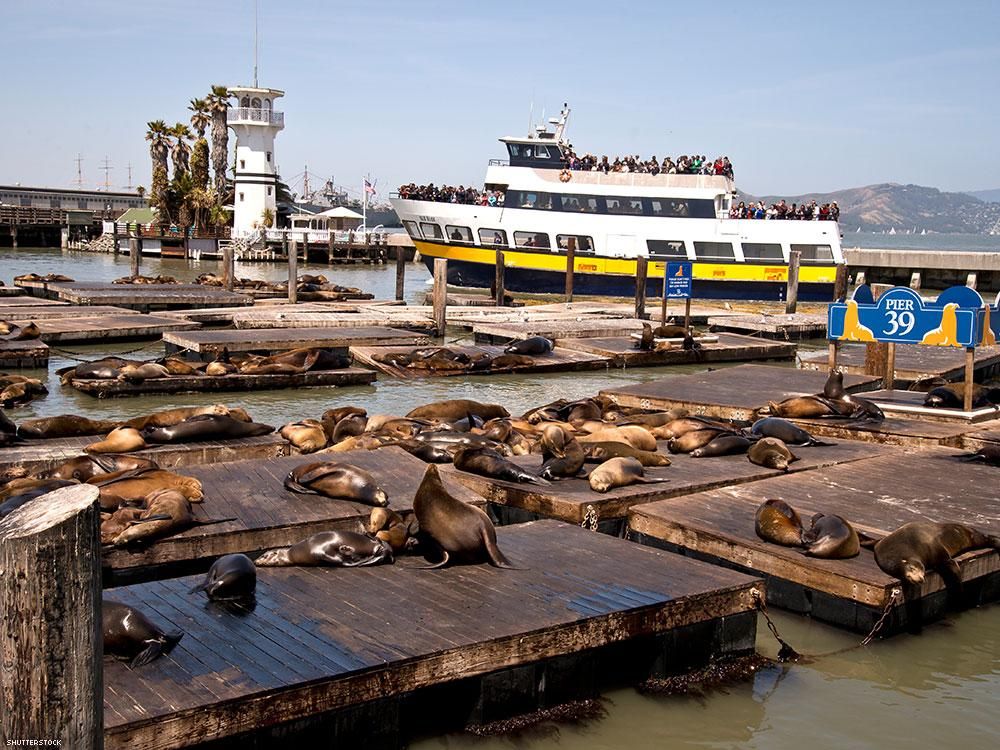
(792, 293)
(498, 284)
(840, 283)
(114, 237)
(400, 271)
(889, 378)
(970, 373)
(687, 314)
(293, 271)
(570, 267)
(832, 356)
(440, 294)
(663, 299)
(641, 272)
(329, 248)
(227, 266)
(50, 642)
(877, 352)
(133, 252)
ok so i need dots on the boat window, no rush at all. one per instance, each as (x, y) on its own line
(762, 251)
(431, 231)
(459, 234)
(541, 152)
(666, 249)
(579, 242)
(815, 253)
(531, 239)
(412, 230)
(528, 199)
(615, 205)
(586, 204)
(492, 237)
(714, 251)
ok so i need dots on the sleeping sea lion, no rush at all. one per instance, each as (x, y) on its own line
(952, 396)
(345, 549)
(463, 533)
(230, 577)
(806, 407)
(722, 445)
(510, 361)
(785, 431)
(336, 480)
(113, 524)
(635, 435)
(830, 537)
(562, 455)
(65, 425)
(648, 420)
(771, 453)
(29, 332)
(166, 512)
(131, 487)
(20, 491)
(670, 332)
(169, 417)
(308, 435)
(619, 472)
(918, 546)
(387, 525)
(456, 409)
(489, 463)
(205, 427)
(533, 345)
(177, 366)
(601, 452)
(988, 454)
(428, 452)
(350, 426)
(691, 441)
(688, 423)
(139, 373)
(119, 440)
(776, 521)
(219, 369)
(83, 468)
(129, 634)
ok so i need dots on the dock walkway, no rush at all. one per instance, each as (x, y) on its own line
(914, 362)
(137, 297)
(728, 347)
(282, 339)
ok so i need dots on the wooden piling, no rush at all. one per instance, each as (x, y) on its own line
(293, 272)
(876, 352)
(133, 252)
(792, 293)
(570, 267)
(687, 314)
(440, 294)
(227, 266)
(641, 272)
(889, 377)
(663, 299)
(400, 272)
(499, 292)
(329, 249)
(840, 283)
(970, 371)
(50, 643)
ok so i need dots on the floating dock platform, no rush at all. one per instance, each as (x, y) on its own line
(209, 344)
(31, 354)
(876, 496)
(914, 362)
(981, 438)
(590, 326)
(93, 329)
(137, 297)
(292, 317)
(780, 326)
(911, 404)
(726, 347)
(377, 655)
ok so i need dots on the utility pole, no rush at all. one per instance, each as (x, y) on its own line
(305, 184)
(129, 186)
(107, 174)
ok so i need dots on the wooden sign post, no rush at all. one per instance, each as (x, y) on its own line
(641, 271)
(570, 267)
(440, 294)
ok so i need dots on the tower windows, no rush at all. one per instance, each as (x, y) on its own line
(241, 197)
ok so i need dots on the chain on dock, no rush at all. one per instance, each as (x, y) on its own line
(590, 518)
(78, 356)
(786, 652)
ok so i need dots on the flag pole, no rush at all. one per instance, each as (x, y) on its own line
(364, 205)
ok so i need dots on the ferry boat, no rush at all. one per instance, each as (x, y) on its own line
(605, 221)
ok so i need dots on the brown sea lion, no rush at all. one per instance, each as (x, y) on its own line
(345, 549)
(389, 526)
(139, 373)
(350, 426)
(510, 361)
(487, 462)
(129, 634)
(785, 431)
(113, 524)
(336, 480)
(427, 452)
(133, 486)
(335, 415)
(307, 435)
(29, 332)
(562, 455)
(834, 386)
(119, 440)
(635, 435)
(689, 423)
(722, 445)
(601, 452)
(462, 533)
(670, 332)
(648, 420)
(918, 546)
(219, 369)
(806, 407)
(988, 454)
(83, 468)
(358, 442)
(691, 441)
(230, 577)
(619, 472)
(205, 427)
(646, 341)
(176, 366)
(20, 491)
(457, 409)
(830, 537)
(776, 521)
(771, 453)
(952, 396)
(166, 512)
(169, 417)
(64, 425)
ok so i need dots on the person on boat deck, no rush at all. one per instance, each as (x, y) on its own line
(457, 235)
(497, 238)
(834, 211)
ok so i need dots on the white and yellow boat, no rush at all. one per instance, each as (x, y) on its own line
(609, 220)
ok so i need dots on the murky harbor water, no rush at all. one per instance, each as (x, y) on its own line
(939, 689)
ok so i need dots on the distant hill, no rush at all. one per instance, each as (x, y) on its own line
(890, 205)
(989, 196)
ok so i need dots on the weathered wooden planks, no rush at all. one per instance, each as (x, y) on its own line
(139, 297)
(877, 496)
(981, 438)
(322, 640)
(235, 382)
(911, 404)
(782, 326)
(23, 354)
(728, 348)
(109, 327)
(915, 433)
(732, 392)
(560, 359)
(37, 309)
(392, 317)
(283, 339)
(585, 326)
(914, 362)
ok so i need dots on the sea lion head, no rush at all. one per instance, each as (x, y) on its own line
(912, 571)
(273, 557)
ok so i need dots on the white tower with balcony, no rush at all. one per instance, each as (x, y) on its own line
(256, 123)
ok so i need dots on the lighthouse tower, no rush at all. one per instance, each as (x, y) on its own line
(256, 123)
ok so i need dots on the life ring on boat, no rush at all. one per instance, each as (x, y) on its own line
(565, 176)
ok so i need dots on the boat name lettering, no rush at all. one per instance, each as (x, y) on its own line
(586, 266)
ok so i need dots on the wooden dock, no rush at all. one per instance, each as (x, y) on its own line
(566, 328)
(728, 347)
(211, 343)
(911, 404)
(914, 362)
(374, 656)
(572, 499)
(877, 496)
(973, 441)
(913, 433)
(108, 327)
(137, 297)
(46, 310)
(10, 291)
(111, 388)
(268, 514)
(560, 359)
(732, 392)
(286, 317)
(30, 354)
(781, 326)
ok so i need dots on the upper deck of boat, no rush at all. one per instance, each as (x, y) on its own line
(499, 172)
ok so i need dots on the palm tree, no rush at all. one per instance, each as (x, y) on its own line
(158, 136)
(218, 103)
(180, 154)
(200, 119)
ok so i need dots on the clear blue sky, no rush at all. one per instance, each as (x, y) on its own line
(802, 96)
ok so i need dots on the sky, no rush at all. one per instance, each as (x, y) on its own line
(801, 96)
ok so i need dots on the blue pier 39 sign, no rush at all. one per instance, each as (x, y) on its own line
(679, 275)
(901, 316)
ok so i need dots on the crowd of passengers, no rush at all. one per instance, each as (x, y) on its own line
(781, 210)
(683, 164)
(448, 194)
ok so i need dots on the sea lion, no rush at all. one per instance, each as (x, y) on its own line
(534, 345)
(230, 577)
(989, 454)
(358, 442)
(805, 407)
(20, 491)
(456, 409)
(83, 468)
(166, 512)
(134, 486)
(646, 419)
(308, 435)
(29, 332)
(113, 524)
(65, 425)
(689, 423)
(776, 521)
(129, 634)
(335, 415)
(918, 546)
(833, 388)
(388, 526)
(219, 369)
(205, 427)
(785, 431)
(562, 455)
(952, 396)
(670, 332)
(8, 430)
(600, 452)
(463, 533)
(634, 435)
(771, 453)
(646, 340)
(139, 373)
(510, 361)
(448, 439)
(427, 452)
(119, 440)
(20, 391)
(169, 417)
(345, 549)
(722, 445)
(336, 480)
(830, 537)
(489, 463)
(691, 441)
(176, 366)
(350, 426)
(105, 368)
(619, 472)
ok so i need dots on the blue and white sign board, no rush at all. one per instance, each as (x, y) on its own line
(679, 279)
(990, 323)
(901, 316)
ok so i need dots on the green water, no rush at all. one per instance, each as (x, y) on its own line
(937, 690)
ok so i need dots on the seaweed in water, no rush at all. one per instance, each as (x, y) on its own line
(710, 677)
(574, 712)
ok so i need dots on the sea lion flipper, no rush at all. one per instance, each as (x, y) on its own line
(651, 480)
(130, 474)
(497, 558)
(293, 486)
(147, 519)
(318, 472)
(867, 540)
(156, 649)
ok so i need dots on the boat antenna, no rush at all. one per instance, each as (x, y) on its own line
(256, 9)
